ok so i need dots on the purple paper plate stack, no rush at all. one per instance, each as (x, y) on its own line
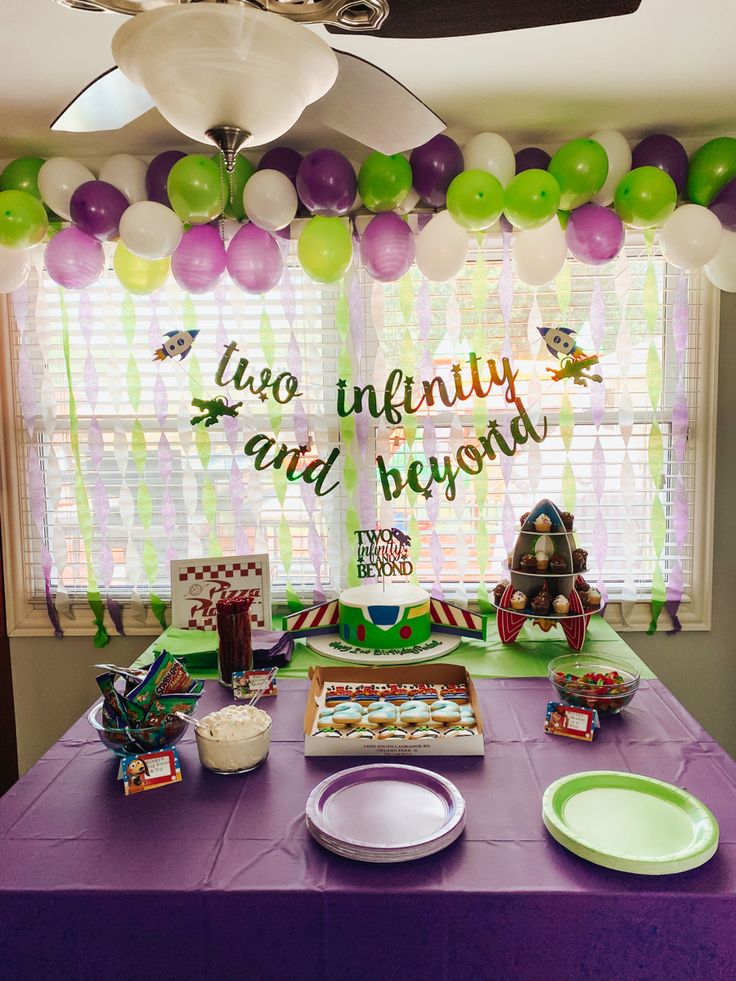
(385, 812)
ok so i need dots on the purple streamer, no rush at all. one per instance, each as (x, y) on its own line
(26, 390)
(366, 504)
(508, 524)
(674, 596)
(316, 554)
(86, 317)
(308, 498)
(36, 493)
(506, 282)
(242, 546)
(597, 403)
(107, 565)
(600, 545)
(424, 311)
(95, 444)
(165, 458)
(237, 493)
(598, 470)
(301, 426)
(91, 381)
(46, 566)
(680, 513)
(20, 306)
(160, 400)
(681, 317)
(597, 315)
(294, 356)
(231, 428)
(288, 295)
(168, 514)
(357, 320)
(680, 422)
(154, 333)
(436, 554)
(116, 615)
(362, 430)
(101, 506)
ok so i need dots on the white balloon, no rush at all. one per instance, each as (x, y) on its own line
(441, 248)
(540, 253)
(270, 200)
(691, 236)
(127, 174)
(491, 152)
(15, 264)
(721, 270)
(409, 203)
(150, 230)
(58, 179)
(618, 152)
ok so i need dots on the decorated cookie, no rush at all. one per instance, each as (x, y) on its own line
(424, 732)
(350, 717)
(415, 716)
(329, 733)
(326, 713)
(392, 732)
(455, 693)
(385, 714)
(458, 730)
(445, 713)
(361, 733)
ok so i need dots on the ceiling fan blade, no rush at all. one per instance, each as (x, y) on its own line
(438, 18)
(371, 106)
(109, 102)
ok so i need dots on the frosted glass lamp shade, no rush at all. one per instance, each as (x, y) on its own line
(208, 65)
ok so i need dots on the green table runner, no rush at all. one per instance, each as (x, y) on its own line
(527, 658)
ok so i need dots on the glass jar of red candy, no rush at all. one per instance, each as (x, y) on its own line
(589, 682)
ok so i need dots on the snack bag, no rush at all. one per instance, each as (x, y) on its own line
(113, 709)
(163, 707)
(165, 676)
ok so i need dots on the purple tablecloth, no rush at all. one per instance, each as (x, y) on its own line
(217, 878)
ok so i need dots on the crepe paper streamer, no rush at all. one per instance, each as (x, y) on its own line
(655, 455)
(506, 281)
(101, 638)
(674, 596)
(406, 297)
(563, 288)
(681, 316)
(651, 298)
(658, 598)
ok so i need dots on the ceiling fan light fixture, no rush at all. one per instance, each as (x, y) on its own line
(208, 66)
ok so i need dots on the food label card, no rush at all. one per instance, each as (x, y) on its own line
(567, 720)
(261, 681)
(198, 584)
(150, 770)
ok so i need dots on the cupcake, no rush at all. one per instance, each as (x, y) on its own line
(579, 560)
(567, 520)
(581, 585)
(500, 590)
(558, 563)
(522, 519)
(510, 559)
(518, 600)
(594, 598)
(543, 523)
(542, 561)
(541, 602)
(528, 563)
(561, 605)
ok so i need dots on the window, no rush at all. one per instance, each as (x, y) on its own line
(109, 480)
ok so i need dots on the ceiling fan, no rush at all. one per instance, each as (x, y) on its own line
(241, 72)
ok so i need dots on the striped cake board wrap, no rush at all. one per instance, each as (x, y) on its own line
(509, 622)
(576, 627)
(321, 619)
(449, 619)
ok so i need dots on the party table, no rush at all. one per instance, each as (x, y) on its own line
(217, 878)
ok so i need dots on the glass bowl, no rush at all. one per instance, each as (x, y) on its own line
(567, 673)
(229, 756)
(131, 741)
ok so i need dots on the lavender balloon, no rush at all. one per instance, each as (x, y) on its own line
(594, 234)
(283, 159)
(434, 166)
(531, 158)
(97, 207)
(326, 183)
(254, 260)
(387, 247)
(664, 152)
(74, 259)
(199, 260)
(724, 206)
(157, 176)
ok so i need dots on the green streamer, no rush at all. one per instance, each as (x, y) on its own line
(138, 447)
(654, 377)
(406, 297)
(280, 485)
(285, 544)
(189, 313)
(195, 379)
(350, 475)
(658, 598)
(275, 417)
(127, 318)
(345, 364)
(659, 526)
(563, 288)
(203, 445)
(655, 456)
(347, 430)
(567, 421)
(150, 560)
(352, 524)
(158, 608)
(651, 298)
(145, 505)
(569, 487)
(133, 378)
(209, 501)
(84, 513)
(268, 344)
(479, 282)
(480, 416)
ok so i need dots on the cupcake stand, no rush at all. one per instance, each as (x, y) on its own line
(574, 623)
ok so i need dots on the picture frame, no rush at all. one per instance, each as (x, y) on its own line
(198, 584)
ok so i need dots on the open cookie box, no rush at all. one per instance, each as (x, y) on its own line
(430, 674)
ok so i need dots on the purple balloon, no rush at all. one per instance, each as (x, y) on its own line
(326, 183)
(157, 176)
(387, 247)
(283, 159)
(724, 205)
(97, 207)
(74, 259)
(254, 259)
(531, 158)
(435, 165)
(664, 152)
(594, 234)
(199, 260)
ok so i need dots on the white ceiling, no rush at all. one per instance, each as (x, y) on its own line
(669, 67)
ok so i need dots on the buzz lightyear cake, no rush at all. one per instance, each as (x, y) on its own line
(390, 623)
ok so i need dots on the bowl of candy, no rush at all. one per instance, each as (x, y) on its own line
(132, 740)
(605, 684)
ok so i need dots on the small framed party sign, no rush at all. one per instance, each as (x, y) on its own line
(197, 585)
(568, 720)
(148, 771)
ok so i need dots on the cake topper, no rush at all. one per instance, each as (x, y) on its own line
(383, 552)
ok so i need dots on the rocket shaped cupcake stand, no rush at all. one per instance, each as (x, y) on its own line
(559, 542)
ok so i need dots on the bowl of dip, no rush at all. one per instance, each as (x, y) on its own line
(235, 739)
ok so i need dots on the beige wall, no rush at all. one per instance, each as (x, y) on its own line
(53, 680)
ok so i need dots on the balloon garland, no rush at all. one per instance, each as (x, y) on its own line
(164, 215)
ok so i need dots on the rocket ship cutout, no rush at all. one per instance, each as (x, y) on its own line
(560, 341)
(178, 343)
(575, 364)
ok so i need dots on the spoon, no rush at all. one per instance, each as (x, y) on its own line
(192, 721)
(263, 686)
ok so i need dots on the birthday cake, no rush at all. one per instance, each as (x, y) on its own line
(378, 618)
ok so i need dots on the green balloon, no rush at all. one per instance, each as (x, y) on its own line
(645, 197)
(196, 192)
(22, 175)
(23, 221)
(711, 168)
(580, 168)
(234, 184)
(325, 249)
(532, 198)
(137, 275)
(384, 182)
(475, 199)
